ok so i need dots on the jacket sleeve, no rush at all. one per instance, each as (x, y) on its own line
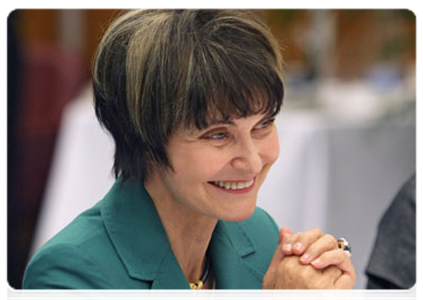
(64, 266)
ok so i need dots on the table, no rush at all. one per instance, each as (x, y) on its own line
(336, 175)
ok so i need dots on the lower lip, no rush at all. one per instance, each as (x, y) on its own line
(237, 191)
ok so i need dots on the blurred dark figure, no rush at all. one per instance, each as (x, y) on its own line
(15, 254)
(42, 79)
(393, 261)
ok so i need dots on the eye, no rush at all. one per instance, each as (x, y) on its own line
(265, 124)
(217, 136)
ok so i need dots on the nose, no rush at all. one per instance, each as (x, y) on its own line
(247, 157)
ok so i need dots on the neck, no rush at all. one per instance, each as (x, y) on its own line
(188, 231)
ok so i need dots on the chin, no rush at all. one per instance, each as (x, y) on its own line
(239, 215)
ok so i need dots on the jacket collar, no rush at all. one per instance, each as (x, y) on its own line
(141, 242)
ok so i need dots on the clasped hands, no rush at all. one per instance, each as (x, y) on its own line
(309, 260)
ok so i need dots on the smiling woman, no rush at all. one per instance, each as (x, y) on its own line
(218, 178)
(189, 97)
(163, 70)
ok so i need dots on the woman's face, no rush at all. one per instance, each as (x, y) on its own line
(218, 171)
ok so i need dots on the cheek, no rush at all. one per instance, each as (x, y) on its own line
(270, 149)
(197, 164)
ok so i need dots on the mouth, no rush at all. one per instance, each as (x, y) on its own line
(234, 186)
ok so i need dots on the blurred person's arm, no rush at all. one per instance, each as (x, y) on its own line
(392, 264)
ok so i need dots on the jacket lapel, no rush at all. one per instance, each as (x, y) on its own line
(169, 274)
(141, 242)
(135, 229)
(230, 245)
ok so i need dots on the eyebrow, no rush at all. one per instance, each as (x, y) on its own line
(216, 122)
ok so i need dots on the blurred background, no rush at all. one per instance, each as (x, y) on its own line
(347, 129)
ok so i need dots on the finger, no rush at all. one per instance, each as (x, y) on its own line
(287, 242)
(332, 272)
(284, 232)
(323, 244)
(338, 258)
(341, 288)
(345, 281)
(305, 239)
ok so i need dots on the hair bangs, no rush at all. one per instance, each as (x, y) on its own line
(159, 70)
(236, 90)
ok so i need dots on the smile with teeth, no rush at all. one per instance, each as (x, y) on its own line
(232, 185)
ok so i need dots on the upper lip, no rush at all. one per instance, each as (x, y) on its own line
(238, 180)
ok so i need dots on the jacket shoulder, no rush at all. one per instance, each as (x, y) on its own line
(81, 256)
(67, 260)
(258, 236)
(63, 266)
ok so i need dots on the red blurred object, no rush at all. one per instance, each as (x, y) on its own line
(50, 79)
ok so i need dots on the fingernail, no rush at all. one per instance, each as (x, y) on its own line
(298, 246)
(305, 257)
(286, 247)
(316, 261)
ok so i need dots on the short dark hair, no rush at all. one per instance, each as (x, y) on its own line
(158, 70)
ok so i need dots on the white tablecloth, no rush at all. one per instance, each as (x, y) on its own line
(338, 176)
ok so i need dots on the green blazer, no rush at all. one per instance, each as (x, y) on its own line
(120, 243)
